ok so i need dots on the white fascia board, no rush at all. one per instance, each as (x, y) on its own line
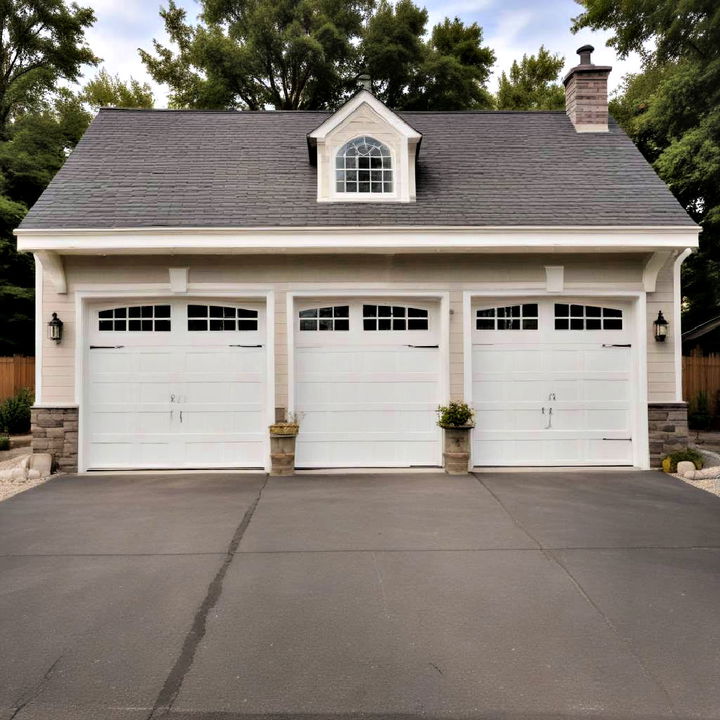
(364, 97)
(138, 241)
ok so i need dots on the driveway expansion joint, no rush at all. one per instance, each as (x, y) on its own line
(173, 682)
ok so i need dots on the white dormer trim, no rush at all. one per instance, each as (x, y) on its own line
(352, 105)
(365, 115)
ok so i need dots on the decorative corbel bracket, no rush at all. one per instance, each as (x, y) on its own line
(652, 267)
(54, 267)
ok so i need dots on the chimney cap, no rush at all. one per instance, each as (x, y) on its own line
(585, 52)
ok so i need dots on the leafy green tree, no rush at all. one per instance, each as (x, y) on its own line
(42, 42)
(532, 84)
(308, 54)
(106, 90)
(672, 111)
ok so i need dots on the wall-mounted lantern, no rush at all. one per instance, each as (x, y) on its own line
(661, 327)
(55, 327)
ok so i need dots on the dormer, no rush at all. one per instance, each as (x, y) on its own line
(364, 152)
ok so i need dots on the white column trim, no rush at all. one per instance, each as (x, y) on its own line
(677, 321)
(39, 329)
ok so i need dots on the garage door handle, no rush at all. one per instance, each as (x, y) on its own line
(619, 439)
(610, 346)
(424, 346)
(106, 347)
(246, 346)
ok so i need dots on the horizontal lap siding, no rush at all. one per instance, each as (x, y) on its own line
(282, 273)
(661, 355)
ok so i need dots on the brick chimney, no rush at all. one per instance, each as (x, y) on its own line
(586, 101)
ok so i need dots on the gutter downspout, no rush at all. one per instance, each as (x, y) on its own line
(677, 321)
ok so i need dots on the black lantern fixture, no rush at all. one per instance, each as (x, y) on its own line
(55, 327)
(661, 327)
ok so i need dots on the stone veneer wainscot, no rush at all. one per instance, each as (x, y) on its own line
(55, 431)
(668, 425)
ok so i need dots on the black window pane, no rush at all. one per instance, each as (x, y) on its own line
(398, 324)
(398, 311)
(486, 313)
(325, 324)
(105, 314)
(216, 324)
(592, 324)
(577, 324)
(247, 325)
(530, 310)
(576, 311)
(561, 324)
(592, 311)
(120, 312)
(309, 313)
(561, 311)
(363, 187)
(229, 312)
(106, 325)
(326, 312)
(134, 325)
(197, 311)
(376, 187)
(342, 324)
(384, 324)
(369, 310)
(515, 311)
(609, 312)
(502, 312)
(197, 325)
(134, 312)
(162, 325)
(352, 187)
(485, 324)
(417, 312)
(146, 311)
(308, 324)
(162, 311)
(146, 325)
(369, 324)
(229, 324)
(420, 323)
(216, 311)
(613, 323)
(120, 325)
(530, 324)
(243, 313)
(342, 311)
(384, 311)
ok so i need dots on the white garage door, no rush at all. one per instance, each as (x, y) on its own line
(552, 383)
(175, 384)
(367, 383)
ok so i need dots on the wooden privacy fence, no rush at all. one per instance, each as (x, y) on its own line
(15, 373)
(701, 374)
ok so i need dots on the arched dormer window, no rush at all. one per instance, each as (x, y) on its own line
(364, 165)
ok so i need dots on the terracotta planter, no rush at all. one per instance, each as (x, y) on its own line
(456, 449)
(282, 448)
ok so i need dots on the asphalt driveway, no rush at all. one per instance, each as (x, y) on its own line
(505, 595)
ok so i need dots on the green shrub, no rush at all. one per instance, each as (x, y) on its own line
(455, 414)
(15, 413)
(699, 413)
(670, 463)
(4, 442)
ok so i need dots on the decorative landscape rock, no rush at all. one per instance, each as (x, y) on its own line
(685, 466)
(704, 474)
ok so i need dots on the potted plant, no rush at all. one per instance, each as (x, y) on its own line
(457, 420)
(282, 445)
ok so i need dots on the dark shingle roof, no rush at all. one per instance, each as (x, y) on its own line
(136, 168)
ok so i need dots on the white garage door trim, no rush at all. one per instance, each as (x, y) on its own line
(355, 294)
(89, 296)
(637, 316)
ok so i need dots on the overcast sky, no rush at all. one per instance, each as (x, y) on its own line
(512, 27)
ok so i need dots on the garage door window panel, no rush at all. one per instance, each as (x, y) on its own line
(587, 317)
(331, 318)
(139, 318)
(394, 317)
(221, 318)
(508, 317)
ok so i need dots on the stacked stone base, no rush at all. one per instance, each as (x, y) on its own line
(55, 431)
(668, 425)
